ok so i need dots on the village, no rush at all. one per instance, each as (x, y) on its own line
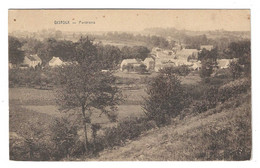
(154, 94)
(158, 59)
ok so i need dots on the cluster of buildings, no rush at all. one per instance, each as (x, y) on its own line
(158, 59)
(33, 60)
(161, 58)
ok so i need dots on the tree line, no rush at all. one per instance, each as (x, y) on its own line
(67, 51)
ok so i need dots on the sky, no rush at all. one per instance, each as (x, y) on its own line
(128, 20)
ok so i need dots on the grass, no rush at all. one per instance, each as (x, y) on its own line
(225, 135)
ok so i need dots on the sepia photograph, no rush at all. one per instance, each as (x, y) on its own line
(129, 84)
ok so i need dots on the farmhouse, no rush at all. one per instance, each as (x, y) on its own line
(161, 63)
(196, 65)
(186, 53)
(32, 60)
(207, 47)
(149, 63)
(55, 61)
(224, 63)
(130, 65)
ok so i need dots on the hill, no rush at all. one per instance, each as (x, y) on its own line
(222, 133)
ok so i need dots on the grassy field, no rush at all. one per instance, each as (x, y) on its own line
(223, 133)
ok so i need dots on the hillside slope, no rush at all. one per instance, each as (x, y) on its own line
(222, 133)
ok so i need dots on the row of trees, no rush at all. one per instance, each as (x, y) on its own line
(240, 50)
(67, 51)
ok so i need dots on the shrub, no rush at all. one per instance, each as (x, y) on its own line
(201, 106)
(182, 70)
(64, 136)
(233, 88)
(236, 69)
(166, 98)
(126, 130)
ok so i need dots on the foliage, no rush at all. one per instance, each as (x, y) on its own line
(236, 69)
(165, 99)
(16, 55)
(182, 70)
(33, 144)
(233, 88)
(110, 56)
(242, 50)
(125, 130)
(64, 136)
(135, 52)
(87, 87)
(208, 61)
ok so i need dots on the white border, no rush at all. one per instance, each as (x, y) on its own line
(183, 4)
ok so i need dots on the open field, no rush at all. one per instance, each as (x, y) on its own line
(121, 44)
(30, 102)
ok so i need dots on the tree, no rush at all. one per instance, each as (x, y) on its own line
(47, 50)
(64, 136)
(166, 98)
(140, 52)
(236, 69)
(109, 55)
(16, 55)
(87, 87)
(208, 61)
(242, 50)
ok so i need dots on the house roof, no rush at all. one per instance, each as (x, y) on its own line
(187, 52)
(148, 60)
(54, 59)
(224, 63)
(130, 61)
(34, 57)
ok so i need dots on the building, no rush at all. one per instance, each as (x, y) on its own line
(55, 61)
(149, 63)
(224, 63)
(207, 47)
(196, 65)
(130, 65)
(32, 60)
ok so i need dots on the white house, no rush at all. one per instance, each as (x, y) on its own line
(186, 53)
(196, 65)
(32, 60)
(129, 64)
(55, 61)
(224, 63)
(149, 63)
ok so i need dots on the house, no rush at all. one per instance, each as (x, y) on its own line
(149, 63)
(223, 63)
(161, 63)
(196, 65)
(130, 65)
(186, 53)
(55, 61)
(207, 47)
(32, 60)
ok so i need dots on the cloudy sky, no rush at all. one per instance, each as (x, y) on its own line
(129, 20)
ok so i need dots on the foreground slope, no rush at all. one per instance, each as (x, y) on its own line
(222, 133)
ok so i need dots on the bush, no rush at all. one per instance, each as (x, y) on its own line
(166, 98)
(233, 88)
(64, 136)
(182, 70)
(126, 130)
(236, 69)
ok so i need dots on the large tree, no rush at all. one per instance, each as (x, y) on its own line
(208, 62)
(166, 97)
(86, 87)
(242, 50)
(109, 55)
(16, 55)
